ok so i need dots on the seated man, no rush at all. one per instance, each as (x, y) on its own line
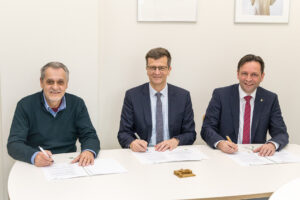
(245, 112)
(53, 120)
(156, 113)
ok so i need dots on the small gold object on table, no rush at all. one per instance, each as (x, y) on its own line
(182, 173)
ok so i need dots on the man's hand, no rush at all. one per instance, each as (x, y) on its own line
(266, 149)
(227, 147)
(138, 145)
(167, 144)
(41, 160)
(85, 158)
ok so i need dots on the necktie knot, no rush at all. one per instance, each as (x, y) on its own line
(247, 98)
(158, 94)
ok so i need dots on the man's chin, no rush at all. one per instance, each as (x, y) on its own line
(247, 89)
(55, 99)
(156, 82)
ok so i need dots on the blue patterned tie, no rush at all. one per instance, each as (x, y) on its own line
(159, 120)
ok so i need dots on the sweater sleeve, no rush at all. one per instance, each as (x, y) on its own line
(86, 132)
(17, 141)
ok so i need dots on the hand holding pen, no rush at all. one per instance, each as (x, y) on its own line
(43, 158)
(227, 146)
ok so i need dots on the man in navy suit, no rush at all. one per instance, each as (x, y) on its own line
(245, 112)
(156, 113)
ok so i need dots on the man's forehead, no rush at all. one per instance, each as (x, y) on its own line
(52, 72)
(55, 78)
(161, 59)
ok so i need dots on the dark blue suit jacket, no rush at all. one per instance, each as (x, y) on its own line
(136, 116)
(222, 117)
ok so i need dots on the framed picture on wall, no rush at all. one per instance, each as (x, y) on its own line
(262, 11)
(167, 11)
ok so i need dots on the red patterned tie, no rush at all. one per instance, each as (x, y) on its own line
(247, 117)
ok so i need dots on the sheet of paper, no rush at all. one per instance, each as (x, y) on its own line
(63, 170)
(66, 170)
(151, 156)
(248, 158)
(284, 157)
(105, 166)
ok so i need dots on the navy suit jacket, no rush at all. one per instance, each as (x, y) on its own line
(136, 116)
(223, 113)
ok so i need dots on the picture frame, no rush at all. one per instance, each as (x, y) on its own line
(262, 11)
(167, 10)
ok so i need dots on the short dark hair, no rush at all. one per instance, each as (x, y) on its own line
(157, 53)
(249, 58)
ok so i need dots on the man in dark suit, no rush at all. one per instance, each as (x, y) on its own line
(156, 113)
(245, 112)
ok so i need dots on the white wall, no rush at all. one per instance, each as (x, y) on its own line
(34, 32)
(2, 193)
(79, 33)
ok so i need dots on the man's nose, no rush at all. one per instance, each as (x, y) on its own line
(157, 71)
(55, 86)
(249, 77)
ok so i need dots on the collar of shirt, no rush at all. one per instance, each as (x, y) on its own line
(164, 91)
(243, 94)
(62, 106)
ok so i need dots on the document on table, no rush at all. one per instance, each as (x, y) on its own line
(67, 170)
(248, 158)
(151, 156)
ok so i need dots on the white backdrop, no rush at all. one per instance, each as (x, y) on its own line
(104, 47)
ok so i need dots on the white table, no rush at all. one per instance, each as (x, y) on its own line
(217, 177)
(290, 191)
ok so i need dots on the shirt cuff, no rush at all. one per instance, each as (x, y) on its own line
(90, 151)
(216, 144)
(33, 157)
(275, 143)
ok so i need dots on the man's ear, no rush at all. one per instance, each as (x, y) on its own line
(262, 76)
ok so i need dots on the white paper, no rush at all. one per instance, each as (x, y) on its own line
(105, 166)
(66, 170)
(63, 171)
(284, 157)
(248, 158)
(167, 10)
(151, 156)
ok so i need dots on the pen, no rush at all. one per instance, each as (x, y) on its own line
(228, 138)
(138, 137)
(44, 152)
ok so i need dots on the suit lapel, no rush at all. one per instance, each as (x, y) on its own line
(147, 110)
(235, 109)
(171, 108)
(258, 107)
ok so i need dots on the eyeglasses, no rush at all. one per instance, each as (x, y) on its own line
(160, 68)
